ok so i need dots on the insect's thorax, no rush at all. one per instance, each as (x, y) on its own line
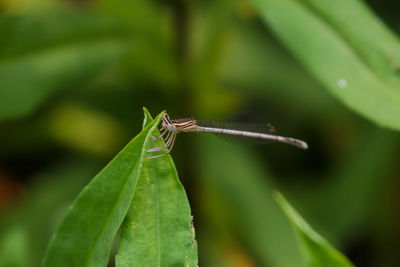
(185, 125)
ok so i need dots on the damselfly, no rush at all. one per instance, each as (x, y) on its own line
(173, 127)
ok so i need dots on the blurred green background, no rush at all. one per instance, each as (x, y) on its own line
(74, 76)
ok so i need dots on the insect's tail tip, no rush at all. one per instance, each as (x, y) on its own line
(299, 143)
(302, 144)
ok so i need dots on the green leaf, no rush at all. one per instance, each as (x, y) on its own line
(86, 234)
(316, 250)
(147, 118)
(44, 54)
(333, 41)
(157, 230)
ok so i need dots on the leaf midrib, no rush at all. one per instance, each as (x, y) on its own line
(158, 222)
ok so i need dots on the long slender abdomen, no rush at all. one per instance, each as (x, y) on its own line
(282, 139)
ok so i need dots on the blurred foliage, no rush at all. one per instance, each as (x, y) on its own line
(75, 74)
(336, 44)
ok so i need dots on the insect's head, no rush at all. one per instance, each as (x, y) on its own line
(167, 123)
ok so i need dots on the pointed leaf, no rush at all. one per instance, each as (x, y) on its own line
(157, 230)
(86, 234)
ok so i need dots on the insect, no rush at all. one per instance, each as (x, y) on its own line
(171, 128)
